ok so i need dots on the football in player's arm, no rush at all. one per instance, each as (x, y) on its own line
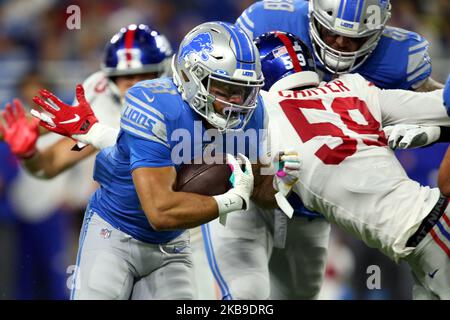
(136, 199)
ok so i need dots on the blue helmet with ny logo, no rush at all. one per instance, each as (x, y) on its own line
(218, 62)
(286, 61)
(137, 49)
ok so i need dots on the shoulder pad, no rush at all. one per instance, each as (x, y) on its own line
(265, 16)
(400, 61)
(160, 95)
(150, 108)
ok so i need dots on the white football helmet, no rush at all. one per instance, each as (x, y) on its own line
(219, 55)
(359, 19)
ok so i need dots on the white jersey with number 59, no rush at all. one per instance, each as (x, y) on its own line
(348, 172)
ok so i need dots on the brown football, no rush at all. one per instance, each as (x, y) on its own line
(206, 179)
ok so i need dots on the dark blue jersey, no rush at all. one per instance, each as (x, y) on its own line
(400, 60)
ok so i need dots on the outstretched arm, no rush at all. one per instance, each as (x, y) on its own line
(19, 132)
(21, 135)
(78, 122)
(56, 159)
(407, 136)
(430, 85)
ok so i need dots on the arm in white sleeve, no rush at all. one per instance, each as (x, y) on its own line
(407, 107)
(100, 136)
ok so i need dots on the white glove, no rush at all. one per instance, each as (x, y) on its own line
(99, 136)
(285, 178)
(410, 136)
(238, 197)
(288, 171)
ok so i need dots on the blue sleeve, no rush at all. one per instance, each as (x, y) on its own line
(142, 118)
(400, 61)
(419, 61)
(144, 129)
(147, 153)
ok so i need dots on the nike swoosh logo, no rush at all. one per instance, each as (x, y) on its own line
(179, 249)
(75, 119)
(229, 203)
(432, 274)
(148, 98)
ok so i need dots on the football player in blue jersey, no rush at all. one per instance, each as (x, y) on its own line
(349, 36)
(133, 243)
(239, 254)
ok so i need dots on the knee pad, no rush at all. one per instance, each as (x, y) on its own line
(250, 287)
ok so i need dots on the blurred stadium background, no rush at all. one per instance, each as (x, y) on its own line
(39, 226)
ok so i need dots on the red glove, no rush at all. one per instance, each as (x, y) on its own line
(19, 133)
(62, 118)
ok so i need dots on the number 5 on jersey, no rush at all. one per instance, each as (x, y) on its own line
(373, 135)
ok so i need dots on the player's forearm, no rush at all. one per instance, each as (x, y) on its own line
(264, 193)
(49, 163)
(39, 166)
(430, 85)
(179, 210)
(400, 107)
(99, 136)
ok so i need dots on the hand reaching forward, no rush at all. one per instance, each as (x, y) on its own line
(62, 118)
(19, 132)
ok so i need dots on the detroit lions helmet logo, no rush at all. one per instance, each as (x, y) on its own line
(200, 44)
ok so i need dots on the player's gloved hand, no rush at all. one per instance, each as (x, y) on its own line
(18, 132)
(447, 93)
(288, 164)
(238, 197)
(100, 136)
(409, 136)
(62, 118)
(288, 171)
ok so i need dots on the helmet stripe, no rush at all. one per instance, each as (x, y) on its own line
(246, 42)
(241, 42)
(129, 39)
(360, 9)
(290, 48)
(341, 8)
(351, 10)
(250, 56)
(236, 44)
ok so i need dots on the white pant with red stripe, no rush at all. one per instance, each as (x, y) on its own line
(430, 262)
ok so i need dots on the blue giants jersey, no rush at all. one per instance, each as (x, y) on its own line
(400, 60)
(158, 129)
